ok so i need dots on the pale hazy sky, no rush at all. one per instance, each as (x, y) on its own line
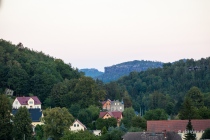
(99, 33)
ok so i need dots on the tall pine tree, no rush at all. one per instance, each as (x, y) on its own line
(5, 118)
(22, 128)
(190, 135)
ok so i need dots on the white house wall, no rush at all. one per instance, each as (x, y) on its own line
(16, 104)
(76, 127)
(198, 135)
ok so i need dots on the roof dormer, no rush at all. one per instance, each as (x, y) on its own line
(30, 101)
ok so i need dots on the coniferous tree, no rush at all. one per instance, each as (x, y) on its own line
(190, 135)
(5, 118)
(104, 130)
(22, 128)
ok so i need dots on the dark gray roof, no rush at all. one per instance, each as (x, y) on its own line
(151, 136)
(35, 114)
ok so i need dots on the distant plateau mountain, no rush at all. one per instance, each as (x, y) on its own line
(114, 72)
(91, 72)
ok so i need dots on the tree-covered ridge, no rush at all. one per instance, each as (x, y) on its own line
(167, 86)
(26, 71)
(114, 72)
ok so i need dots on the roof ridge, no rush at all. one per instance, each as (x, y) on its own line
(80, 123)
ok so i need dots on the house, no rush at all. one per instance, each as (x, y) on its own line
(151, 136)
(77, 126)
(97, 132)
(115, 105)
(117, 115)
(178, 126)
(9, 92)
(35, 114)
(106, 105)
(28, 102)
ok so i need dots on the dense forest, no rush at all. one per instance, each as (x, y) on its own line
(174, 91)
(29, 72)
(166, 87)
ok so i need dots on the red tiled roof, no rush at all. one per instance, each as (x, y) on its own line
(102, 114)
(24, 100)
(115, 114)
(176, 125)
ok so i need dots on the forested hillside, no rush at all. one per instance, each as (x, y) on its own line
(29, 72)
(113, 73)
(180, 90)
(166, 87)
(26, 71)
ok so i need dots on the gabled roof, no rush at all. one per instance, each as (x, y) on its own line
(103, 102)
(153, 136)
(176, 125)
(115, 114)
(24, 100)
(79, 123)
(35, 114)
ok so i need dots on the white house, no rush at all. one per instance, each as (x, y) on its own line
(77, 125)
(97, 132)
(28, 102)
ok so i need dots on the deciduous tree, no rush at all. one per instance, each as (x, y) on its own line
(188, 111)
(206, 134)
(80, 135)
(56, 121)
(156, 114)
(138, 121)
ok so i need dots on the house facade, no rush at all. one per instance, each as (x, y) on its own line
(97, 132)
(28, 102)
(151, 136)
(77, 126)
(115, 105)
(117, 115)
(178, 126)
(106, 105)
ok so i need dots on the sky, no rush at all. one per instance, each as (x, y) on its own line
(100, 33)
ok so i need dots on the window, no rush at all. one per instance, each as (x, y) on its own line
(74, 125)
(114, 103)
(77, 125)
(120, 107)
(31, 102)
(118, 103)
(16, 102)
